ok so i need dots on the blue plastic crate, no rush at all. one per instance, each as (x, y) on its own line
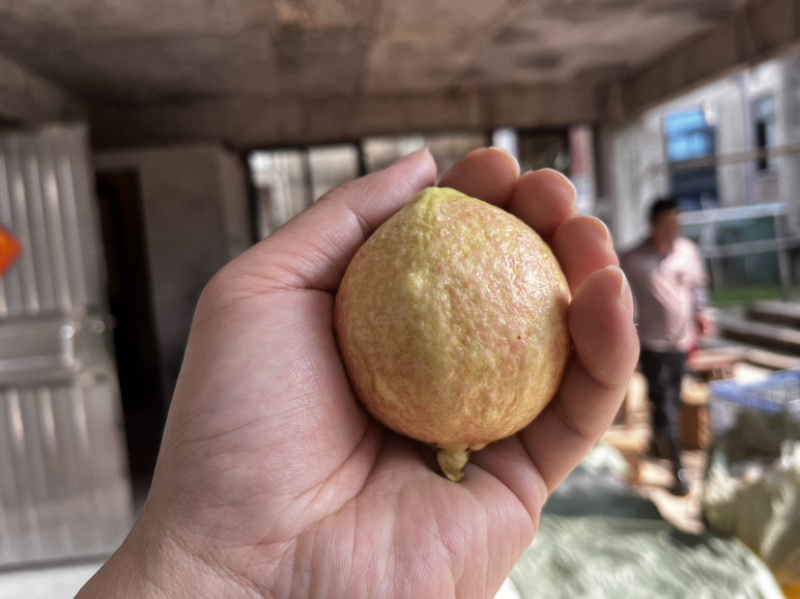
(779, 394)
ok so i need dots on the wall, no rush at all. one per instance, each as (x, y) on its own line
(26, 99)
(729, 102)
(235, 208)
(638, 147)
(252, 122)
(788, 109)
(196, 219)
(631, 153)
(766, 80)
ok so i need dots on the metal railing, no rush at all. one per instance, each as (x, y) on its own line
(783, 242)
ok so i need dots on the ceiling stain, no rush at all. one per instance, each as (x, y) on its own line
(311, 48)
(543, 61)
(703, 10)
(513, 35)
(583, 11)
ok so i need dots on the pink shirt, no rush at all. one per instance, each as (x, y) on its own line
(669, 292)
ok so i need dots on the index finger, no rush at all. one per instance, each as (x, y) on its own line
(488, 174)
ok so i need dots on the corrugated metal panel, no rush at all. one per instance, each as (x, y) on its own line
(60, 462)
(46, 201)
(64, 489)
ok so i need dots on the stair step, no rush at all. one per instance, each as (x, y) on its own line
(772, 360)
(782, 313)
(762, 334)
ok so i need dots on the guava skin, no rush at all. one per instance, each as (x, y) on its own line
(452, 324)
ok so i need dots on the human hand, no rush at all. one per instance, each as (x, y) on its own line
(705, 325)
(273, 481)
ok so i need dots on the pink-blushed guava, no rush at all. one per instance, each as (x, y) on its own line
(452, 323)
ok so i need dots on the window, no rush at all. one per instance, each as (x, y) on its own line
(688, 135)
(287, 181)
(764, 122)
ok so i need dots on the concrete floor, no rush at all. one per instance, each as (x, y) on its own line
(656, 478)
(58, 582)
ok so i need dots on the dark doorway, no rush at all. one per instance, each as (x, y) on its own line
(135, 343)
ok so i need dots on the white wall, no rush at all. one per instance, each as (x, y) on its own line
(638, 155)
(788, 125)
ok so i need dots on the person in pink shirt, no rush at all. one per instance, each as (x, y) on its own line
(668, 281)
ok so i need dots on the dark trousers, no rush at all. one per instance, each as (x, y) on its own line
(664, 373)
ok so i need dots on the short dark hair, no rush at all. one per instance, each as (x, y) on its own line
(661, 206)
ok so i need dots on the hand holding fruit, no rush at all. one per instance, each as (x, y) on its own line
(452, 322)
(273, 481)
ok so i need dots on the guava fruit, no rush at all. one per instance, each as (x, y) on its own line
(451, 321)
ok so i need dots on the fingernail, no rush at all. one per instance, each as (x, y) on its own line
(410, 157)
(606, 230)
(599, 225)
(509, 154)
(623, 280)
(624, 289)
(565, 178)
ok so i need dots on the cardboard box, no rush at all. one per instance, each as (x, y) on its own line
(695, 419)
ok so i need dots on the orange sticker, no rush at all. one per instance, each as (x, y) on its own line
(9, 250)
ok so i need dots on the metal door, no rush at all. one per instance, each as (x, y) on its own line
(64, 486)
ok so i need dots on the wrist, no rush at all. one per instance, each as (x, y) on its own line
(150, 564)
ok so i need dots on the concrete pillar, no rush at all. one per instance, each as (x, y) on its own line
(632, 177)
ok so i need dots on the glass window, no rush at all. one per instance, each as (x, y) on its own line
(331, 166)
(288, 181)
(280, 178)
(688, 135)
(681, 121)
(446, 148)
(764, 123)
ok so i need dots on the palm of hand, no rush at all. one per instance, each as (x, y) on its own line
(275, 479)
(349, 498)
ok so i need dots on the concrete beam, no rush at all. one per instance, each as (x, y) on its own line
(247, 122)
(28, 100)
(756, 32)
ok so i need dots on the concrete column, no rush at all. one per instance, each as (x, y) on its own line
(633, 176)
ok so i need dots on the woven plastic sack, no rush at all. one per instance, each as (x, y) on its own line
(610, 558)
(757, 501)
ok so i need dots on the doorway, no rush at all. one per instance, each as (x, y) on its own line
(130, 303)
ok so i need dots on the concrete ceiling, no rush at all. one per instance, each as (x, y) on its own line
(135, 51)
